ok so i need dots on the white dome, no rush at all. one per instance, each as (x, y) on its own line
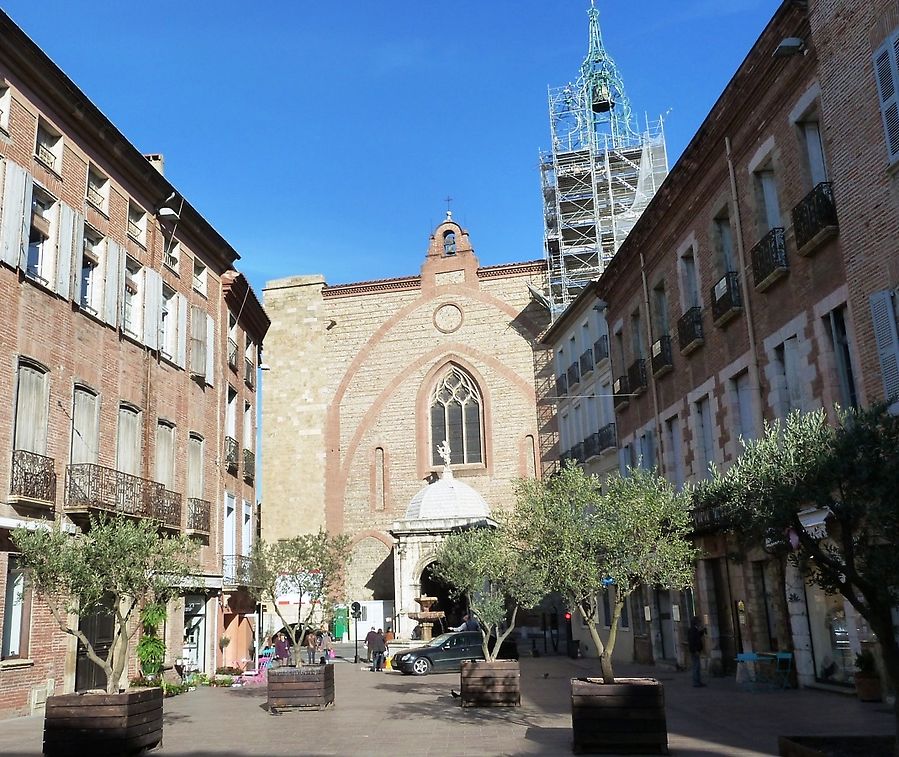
(447, 498)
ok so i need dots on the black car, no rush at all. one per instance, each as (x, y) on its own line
(447, 652)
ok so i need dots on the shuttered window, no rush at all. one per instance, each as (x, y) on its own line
(84, 426)
(886, 73)
(195, 467)
(197, 341)
(128, 441)
(883, 315)
(165, 454)
(31, 409)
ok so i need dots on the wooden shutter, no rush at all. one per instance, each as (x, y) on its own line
(84, 427)
(887, 76)
(195, 468)
(14, 221)
(197, 342)
(165, 454)
(128, 443)
(210, 350)
(152, 307)
(883, 315)
(111, 282)
(70, 241)
(181, 335)
(31, 410)
(795, 393)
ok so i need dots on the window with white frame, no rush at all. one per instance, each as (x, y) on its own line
(90, 292)
(689, 280)
(767, 203)
(646, 451)
(231, 414)
(724, 242)
(835, 325)
(886, 74)
(40, 261)
(248, 430)
(16, 611)
(675, 446)
(5, 106)
(246, 531)
(456, 417)
(660, 310)
(85, 426)
(48, 146)
(704, 450)
(32, 401)
(195, 478)
(814, 151)
(98, 189)
(637, 348)
(165, 453)
(201, 274)
(786, 377)
(128, 440)
(742, 423)
(137, 224)
(168, 322)
(132, 298)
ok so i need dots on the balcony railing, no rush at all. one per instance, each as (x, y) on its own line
(237, 570)
(608, 437)
(591, 446)
(92, 487)
(622, 391)
(168, 509)
(727, 301)
(33, 477)
(708, 519)
(574, 374)
(769, 259)
(815, 219)
(562, 385)
(249, 372)
(94, 196)
(636, 377)
(249, 465)
(232, 452)
(198, 516)
(46, 156)
(586, 362)
(134, 230)
(662, 361)
(689, 330)
(232, 354)
(600, 349)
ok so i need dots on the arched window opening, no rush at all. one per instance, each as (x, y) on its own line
(456, 417)
(449, 243)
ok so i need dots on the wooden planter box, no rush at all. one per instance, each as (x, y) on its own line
(625, 717)
(103, 724)
(307, 687)
(491, 684)
(867, 688)
(821, 746)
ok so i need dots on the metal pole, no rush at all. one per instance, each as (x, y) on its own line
(356, 636)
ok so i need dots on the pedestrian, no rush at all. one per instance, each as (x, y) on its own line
(282, 649)
(469, 623)
(311, 642)
(378, 648)
(369, 638)
(695, 636)
(322, 644)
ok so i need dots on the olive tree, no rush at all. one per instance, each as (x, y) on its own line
(627, 531)
(844, 478)
(310, 566)
(116, 566)
(496, 574)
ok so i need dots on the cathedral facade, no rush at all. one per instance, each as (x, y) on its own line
(369, 379)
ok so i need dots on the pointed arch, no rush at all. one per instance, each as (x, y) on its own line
(455, 414)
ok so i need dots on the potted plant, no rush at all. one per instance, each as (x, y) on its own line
(115, 566)
(867, 680)
(311, 567)
(614, 535)
(151, 648)
(498, 576)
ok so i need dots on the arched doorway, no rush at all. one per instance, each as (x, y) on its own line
(432, 586)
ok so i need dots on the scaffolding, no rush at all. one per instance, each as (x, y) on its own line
(599, 176)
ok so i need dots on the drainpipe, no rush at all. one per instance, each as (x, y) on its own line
(655, 392)
(754, 369)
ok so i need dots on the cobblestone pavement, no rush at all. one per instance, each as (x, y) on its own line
(390, 714)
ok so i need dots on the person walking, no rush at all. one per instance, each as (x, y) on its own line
(282, 649)
(369, 638)
(695, 636)
(378, 648)
(311, 642)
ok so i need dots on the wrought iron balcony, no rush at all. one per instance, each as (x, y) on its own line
(608, 437)
(591, 446)
(249, 372)
(562, 385)
(46, 156)
(601, 349)
(815, 219)
(727, 302)
(232, 452)
(708, 520)
(33, 478)
(249, 466)
(167, 509)
(91, 488)
(586, 362)
(574, 374)
(238, 570)
(689, 330)
(662, 361)
(94, 196)
(198, 516)
(134, 230)
(769, 259)
(622, 391)
(636, 377)
(232, 354)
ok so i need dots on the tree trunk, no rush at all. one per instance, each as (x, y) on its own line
(882, 624)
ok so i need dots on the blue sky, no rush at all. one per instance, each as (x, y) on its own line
(323, 137)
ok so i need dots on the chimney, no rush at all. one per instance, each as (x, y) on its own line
(157, 160)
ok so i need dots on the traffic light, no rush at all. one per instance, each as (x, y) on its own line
(568, 617)
(357, 610)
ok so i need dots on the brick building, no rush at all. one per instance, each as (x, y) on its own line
(761, 279)
(128, 363)
(367, 380)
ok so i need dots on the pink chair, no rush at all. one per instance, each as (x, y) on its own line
(256, 677)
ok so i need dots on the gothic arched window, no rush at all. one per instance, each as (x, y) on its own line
(456, 417)
(449, 243)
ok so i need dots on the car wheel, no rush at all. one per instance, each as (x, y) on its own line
(421, 666)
